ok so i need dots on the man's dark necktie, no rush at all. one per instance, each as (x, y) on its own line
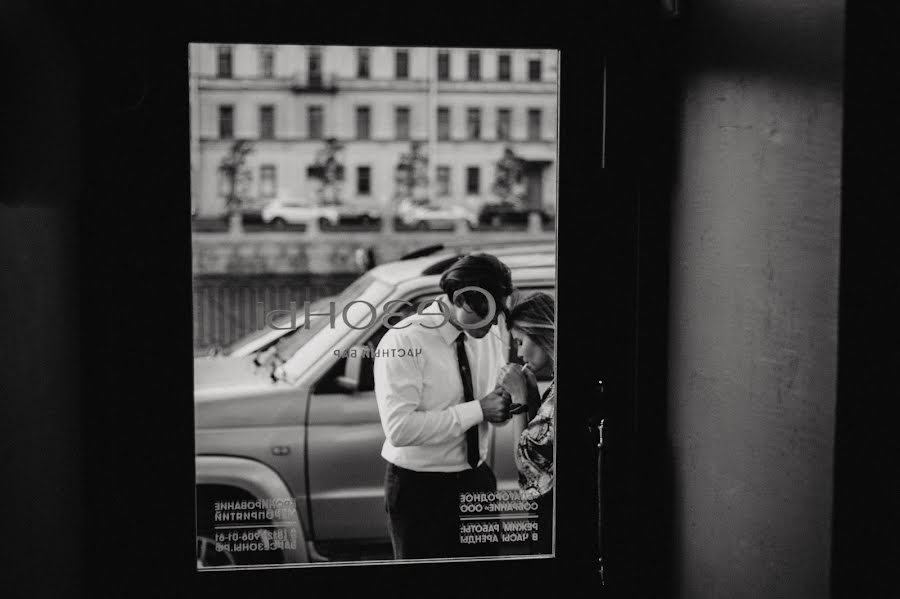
(472, 449)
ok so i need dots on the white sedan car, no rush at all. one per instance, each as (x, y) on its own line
(281, 212)
(422, 215)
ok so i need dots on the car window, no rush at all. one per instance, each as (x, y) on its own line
(328, 383)
(308, 346)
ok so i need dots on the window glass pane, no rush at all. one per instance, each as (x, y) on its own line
(534, 123)
(402, 64)
(363, 122)
(362, 63)
(267, 122)
(402, 122)
(534, 69)
(226, 122)
(443, 123)
(473, 123)
(267, 62)
(315, 122)
(504, 123)
(472, 179)
(504, 71)
(363, 180)
(443, 65)
(224, 62)
(474, 66)
(315, 66)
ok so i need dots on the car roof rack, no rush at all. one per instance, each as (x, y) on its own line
(439, 267)
(425, 251)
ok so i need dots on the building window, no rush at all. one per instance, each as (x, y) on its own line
(314, 67)
(443, 65)
(268, 185)
(534, 69)
(362, 63)
(363, 180)
(401, 64)
(534, 124)
(504, 123)
(443, 126)
(224, 62)
(267, 61)
(314, 122)
(401, 122)
(473, 123)
(473, 176)
(267, 122)
(473, 70)
(504, 67)
(443, 180)
(363, 122)
(226, 122)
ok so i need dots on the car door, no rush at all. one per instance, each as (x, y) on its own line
(346, 470)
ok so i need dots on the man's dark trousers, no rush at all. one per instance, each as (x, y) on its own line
(424, 515)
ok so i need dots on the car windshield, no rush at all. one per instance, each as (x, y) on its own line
(271, 334)
(319, 318)
(352, 311)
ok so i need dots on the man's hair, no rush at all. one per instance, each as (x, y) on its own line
(478, 270)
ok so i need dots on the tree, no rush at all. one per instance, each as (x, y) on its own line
(508, 182)
(328, 171)
(411, 177)
(238, 177)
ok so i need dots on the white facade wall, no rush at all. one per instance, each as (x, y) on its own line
(293, 151)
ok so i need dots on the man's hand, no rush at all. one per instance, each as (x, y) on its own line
(495, 405)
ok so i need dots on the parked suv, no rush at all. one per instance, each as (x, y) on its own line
(296, 424)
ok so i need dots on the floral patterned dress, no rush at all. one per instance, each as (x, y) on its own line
(534, 451)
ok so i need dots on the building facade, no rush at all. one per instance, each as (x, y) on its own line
(464, 106)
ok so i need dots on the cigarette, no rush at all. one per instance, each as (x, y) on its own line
(525, 367)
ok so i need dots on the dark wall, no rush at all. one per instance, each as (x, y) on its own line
(755, 242)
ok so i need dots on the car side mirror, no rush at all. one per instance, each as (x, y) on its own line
(357, 371)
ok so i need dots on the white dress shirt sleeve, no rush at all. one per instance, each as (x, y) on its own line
(398, 389)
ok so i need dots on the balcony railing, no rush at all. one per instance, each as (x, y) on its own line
(312, 83)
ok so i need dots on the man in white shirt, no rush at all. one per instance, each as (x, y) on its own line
(435, 420)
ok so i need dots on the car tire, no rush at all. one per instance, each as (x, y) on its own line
(280, 224)
(324, 223)
(422, 225)
(496, 221)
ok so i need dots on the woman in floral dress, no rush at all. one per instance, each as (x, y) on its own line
(531, 325)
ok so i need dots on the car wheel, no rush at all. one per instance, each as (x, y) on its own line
(280, 224)
(422, 225)
(496, 221)
(324, 223)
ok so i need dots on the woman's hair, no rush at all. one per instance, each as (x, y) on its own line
(534, 314)
(478, 270)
